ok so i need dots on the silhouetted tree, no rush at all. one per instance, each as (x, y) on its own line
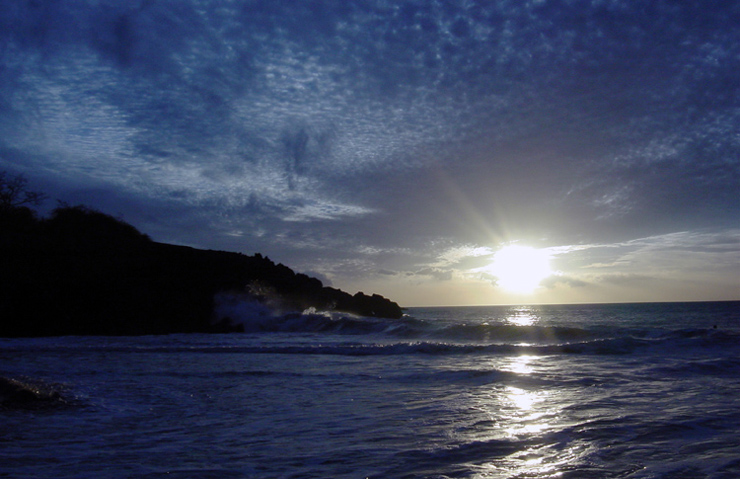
(87, 223)
(81, 271)
(14, 192)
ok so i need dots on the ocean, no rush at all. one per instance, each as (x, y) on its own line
(648, 390)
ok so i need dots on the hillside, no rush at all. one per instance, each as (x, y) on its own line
(83, 272)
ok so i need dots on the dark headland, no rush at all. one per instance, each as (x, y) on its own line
(83, 272)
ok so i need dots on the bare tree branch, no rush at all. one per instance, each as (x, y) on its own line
(14, 192)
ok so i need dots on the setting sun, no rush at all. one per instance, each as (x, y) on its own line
(520, 269)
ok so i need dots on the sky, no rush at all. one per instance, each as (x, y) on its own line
(396, 147)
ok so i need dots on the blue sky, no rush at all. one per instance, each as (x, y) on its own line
(395, 146)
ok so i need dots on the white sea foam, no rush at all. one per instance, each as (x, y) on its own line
(456, 392)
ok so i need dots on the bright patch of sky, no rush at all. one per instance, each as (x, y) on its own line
(395, 147)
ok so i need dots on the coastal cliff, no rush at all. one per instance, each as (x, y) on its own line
(82, 272)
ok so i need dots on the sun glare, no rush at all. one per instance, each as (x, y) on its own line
(520, 269)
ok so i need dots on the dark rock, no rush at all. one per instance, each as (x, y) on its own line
(15, 394)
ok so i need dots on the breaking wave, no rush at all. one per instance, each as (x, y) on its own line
(409, 335)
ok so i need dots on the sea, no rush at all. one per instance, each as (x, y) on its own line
(649, 390)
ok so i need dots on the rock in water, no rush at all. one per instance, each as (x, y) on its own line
(15, 394)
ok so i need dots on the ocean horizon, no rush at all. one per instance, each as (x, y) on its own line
(597, 390)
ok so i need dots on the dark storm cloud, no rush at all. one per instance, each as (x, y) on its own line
(378, 135)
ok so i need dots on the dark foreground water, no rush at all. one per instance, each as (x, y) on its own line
(587, 391)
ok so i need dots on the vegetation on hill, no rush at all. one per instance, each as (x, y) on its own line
(83, 272)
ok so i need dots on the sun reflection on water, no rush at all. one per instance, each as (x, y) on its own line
(521, 398)
(527, 413)
(522, 317)
(519, 364)
(526, 410)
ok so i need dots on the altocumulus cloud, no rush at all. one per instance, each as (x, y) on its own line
(364, 136)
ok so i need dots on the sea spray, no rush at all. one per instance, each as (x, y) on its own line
(581, 391)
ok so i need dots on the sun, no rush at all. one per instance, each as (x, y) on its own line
(520, 269)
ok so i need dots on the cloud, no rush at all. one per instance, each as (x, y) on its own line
(438, 274)
(708, 257)
(625, 279)
(553, 281)
(428, 132)
(458, 255)
(493, 280)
